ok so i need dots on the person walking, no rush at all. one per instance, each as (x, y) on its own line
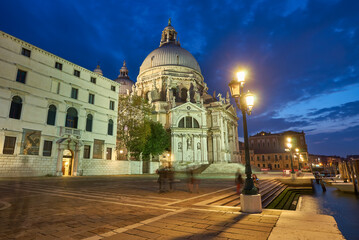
(239, 181)
(161, 178)
(170, 176)
(255, 181)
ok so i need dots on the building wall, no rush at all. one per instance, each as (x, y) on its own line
(46, 85)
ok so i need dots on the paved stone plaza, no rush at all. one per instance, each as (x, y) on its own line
(127, 207)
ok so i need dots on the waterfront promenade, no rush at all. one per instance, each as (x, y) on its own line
(130, 207)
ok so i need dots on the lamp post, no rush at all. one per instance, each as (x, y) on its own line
(245, 102)
(299, 156)
(290, 149)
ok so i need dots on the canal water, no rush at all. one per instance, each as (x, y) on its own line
(344, 207)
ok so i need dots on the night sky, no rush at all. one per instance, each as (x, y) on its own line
(302, 56)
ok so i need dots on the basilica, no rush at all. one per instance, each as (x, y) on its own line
(203, 127)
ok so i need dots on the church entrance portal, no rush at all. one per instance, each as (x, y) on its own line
(67, 160)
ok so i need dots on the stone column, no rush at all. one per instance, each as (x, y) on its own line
(150, 165)
(140, 165)
(76, 160)
(60, 152)
(129, 162)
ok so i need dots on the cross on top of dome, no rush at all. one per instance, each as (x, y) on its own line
(169, 35)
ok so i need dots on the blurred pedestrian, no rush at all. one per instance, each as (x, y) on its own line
(161, 178)
(239, 181)
(170, 177)
(255, 181)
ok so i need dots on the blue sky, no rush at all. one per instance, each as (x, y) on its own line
(303, 56)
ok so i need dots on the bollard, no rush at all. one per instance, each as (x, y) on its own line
(323, 186)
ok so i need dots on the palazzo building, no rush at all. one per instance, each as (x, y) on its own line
(203, 127)
(270, 150)
(56, 118)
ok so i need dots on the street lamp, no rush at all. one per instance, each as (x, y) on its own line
(290, 149)
(299, 156)
(245, 102)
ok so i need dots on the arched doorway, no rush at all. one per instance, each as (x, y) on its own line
(67, 160)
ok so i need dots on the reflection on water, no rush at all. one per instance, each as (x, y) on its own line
(344, 207)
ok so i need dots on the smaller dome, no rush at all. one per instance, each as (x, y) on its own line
(98, 70)
(124, 80)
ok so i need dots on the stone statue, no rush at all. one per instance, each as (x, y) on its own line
(220, 98)
(198, 145)
(180, 146)
(149, 96)
(173, 101)
(189, 143)
(227, 98)
(168, 97)
(133, 90)
(197, 97)
(188, 96)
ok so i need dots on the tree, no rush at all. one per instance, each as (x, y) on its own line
(158, 140)
(132, 129)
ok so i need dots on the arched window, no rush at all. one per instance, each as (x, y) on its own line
(195, 123)
(188, 122)
(71, 118)
(89, 119)
(15, 109)
(181, 123)
(177, 60)
(110, 127)
(51, 115)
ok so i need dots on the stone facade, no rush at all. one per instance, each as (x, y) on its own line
(42, 98)
(269, 150)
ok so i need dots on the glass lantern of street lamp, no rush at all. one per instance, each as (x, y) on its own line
(249, 100)
(289, 145)
(235, 88)
(241, 76)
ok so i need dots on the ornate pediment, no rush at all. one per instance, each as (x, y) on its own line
(188, 107)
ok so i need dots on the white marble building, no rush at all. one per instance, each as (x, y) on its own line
(56, 117)
(203, 128)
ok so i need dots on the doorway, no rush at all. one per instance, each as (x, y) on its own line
(67, 160)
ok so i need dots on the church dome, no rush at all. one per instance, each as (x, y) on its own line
(170, 53)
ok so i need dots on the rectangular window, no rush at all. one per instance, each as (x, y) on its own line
(112, 105)
(21, 76)
(113, 88)
(47, 148)
(74, 93)
(25, 52)
(98, 149)
(109, 154)
(58, 65)
(9, 145)
(87, 150)
(91, 98)
(77, 73)
(93, 80)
